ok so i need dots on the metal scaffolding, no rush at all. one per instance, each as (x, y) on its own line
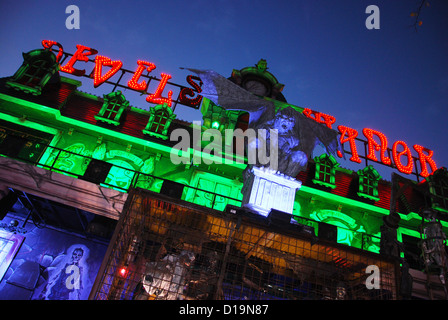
(165, 249)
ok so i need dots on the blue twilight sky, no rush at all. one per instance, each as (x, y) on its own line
(393, 79)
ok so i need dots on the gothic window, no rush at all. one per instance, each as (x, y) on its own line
(325, 170)
(368, 183)
(160, 119)
(38, 67)
(438, 187)
(114, 105)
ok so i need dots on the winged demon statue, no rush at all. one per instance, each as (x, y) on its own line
(297, 134)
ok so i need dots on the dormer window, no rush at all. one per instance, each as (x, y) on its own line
(368, 183)
(325, 170)
(38, 67)
(114, 105)
(438, 188)
(214, 117)
(159, 121)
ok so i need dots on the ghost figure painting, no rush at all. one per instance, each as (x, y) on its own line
(67, 275)
(298, 135)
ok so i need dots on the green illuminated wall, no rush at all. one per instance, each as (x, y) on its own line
(357, 227)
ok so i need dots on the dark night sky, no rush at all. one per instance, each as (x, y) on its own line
(394, 79)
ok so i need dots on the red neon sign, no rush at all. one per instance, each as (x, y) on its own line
(348, 134)
(80, 55)
(351, 136)
(405, 169)
(142, 65)
(157, 96)
(48, 44)
(185, 93)
(374, 146)
(320, 117)
(187, 97)
(424, 159)
(101, 61)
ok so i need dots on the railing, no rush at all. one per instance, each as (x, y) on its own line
(97, 171)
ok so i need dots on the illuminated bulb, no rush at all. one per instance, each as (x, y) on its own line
(123, 271)
(215, 125)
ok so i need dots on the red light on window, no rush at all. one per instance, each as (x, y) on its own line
(156, 97)
(123, 272)
(374, 146)
(101, 61)
(80, 55)
(142, 65)
(405, 169)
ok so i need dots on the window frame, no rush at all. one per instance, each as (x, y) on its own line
(154, 113)
(438, 188)
(115, 99)
(48, 66)
(325, 167)
(368, 183)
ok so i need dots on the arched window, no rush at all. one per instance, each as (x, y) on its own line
(325, 170)
(368, 183)
(38, 67)
(159, 121)
(114, 105)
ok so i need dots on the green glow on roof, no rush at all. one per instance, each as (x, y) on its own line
(107, 132)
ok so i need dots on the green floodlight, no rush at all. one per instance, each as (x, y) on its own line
(215, 125)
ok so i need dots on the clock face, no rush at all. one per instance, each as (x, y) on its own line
(256, 87)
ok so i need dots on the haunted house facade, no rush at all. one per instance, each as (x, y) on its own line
(87, 183)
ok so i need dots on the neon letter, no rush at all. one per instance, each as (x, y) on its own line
(101, 61)
(327, 119)
(157, 96)
(405, 169)
(142, 65)
(351, 135)
(81, 56)
(189, 92)
(373, 145)
(425, 158)
(47, 44)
